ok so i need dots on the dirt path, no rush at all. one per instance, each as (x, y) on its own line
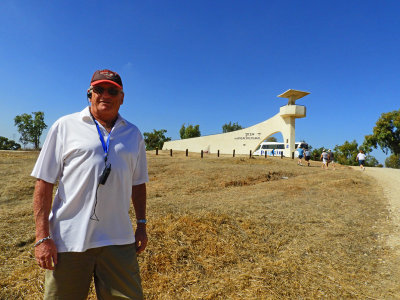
(389, 180)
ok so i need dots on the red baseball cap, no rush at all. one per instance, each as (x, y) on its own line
(106, 76)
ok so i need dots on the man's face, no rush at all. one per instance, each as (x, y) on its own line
(105, 105)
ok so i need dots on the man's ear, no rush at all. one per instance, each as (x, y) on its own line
(89, 95)
(122, 98)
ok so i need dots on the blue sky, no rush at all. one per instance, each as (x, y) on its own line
(206, 62)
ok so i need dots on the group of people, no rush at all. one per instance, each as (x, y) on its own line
(327, 157)
(303, 153)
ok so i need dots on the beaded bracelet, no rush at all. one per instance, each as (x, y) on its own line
(42, 240)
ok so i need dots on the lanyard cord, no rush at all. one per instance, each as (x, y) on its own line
(106, 146)
(94, 216)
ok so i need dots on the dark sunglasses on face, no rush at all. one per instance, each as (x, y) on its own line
(100, 90)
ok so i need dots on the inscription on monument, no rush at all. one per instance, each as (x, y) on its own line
(248, 136)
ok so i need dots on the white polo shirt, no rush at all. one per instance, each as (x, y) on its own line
(73, 154)
(361, 156)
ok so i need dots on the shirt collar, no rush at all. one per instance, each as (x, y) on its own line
(86, 117)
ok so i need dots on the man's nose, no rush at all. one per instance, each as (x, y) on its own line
(106, 93)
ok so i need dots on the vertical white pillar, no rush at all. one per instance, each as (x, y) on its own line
(289, 138)
(292, 130)
(292, 137)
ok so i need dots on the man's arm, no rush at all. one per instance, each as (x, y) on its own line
(46, 252)
(139, 204)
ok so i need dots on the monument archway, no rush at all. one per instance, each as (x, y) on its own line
(244, 140)
(266, 137)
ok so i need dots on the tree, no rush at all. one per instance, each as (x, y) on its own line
(189, 131)
(155, 139)
(371, 161)
(393, 161)
(346, 154)
(386, 133)
(6, 144)
(228, 127)
(316, 153)
(30, 128)
(271, 139)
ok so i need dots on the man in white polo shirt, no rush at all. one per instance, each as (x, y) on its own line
(99, 161)
(361, 159)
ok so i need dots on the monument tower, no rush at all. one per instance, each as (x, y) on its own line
(248, 139)
(289, 113)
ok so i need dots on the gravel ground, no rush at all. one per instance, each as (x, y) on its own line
(389, 180)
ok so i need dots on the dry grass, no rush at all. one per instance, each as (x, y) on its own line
(232, 228)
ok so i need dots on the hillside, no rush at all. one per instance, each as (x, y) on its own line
(232, 228)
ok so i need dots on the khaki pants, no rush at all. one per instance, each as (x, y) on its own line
(115, 270)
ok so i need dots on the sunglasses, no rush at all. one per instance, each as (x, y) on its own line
(111, 91)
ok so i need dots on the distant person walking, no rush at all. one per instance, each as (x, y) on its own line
(331, 159)
(325, 159)
(273, 152)
(301, 154)
(361, 159)
(307, 156)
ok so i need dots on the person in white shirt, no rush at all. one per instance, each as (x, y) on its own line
(99, 161)
(361, 159)
(325, 159)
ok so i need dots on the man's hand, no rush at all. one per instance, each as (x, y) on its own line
(141, 238)
(139, 204)
(46, 254)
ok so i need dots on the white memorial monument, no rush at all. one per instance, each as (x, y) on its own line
(244, 140)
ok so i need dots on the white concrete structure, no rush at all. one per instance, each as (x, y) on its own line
(244, 140)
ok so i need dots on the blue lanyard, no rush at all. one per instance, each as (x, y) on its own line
(105, 146)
